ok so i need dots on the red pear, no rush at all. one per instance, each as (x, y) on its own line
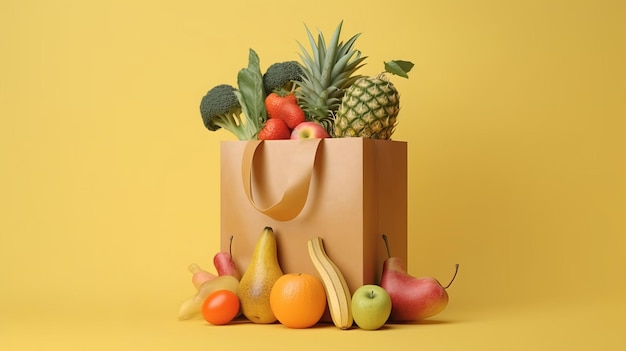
(412, 298)
(224, 264)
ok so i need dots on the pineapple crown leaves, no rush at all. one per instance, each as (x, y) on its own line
(329, 61)
(399, 67)
(328, 71)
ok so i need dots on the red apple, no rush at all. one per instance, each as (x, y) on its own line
(224, 264)
(412, 298)
(309, 130)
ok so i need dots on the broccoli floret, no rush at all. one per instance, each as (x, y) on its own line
(220, 108)
(280, 76)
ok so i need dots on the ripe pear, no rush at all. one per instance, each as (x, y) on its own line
(259, 278)
(223, 262)
(412, 298)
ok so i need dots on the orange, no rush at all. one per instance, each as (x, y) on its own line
(298, 300)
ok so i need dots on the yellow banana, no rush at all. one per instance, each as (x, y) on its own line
(337, 291)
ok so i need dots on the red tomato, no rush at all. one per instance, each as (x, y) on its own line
(220, 307)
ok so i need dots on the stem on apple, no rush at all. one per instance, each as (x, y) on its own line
(387, 245)
(230, 246)
(372, 294)
(456, 270)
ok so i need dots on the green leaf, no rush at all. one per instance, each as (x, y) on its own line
(399, 67)
(330, 55)
(252, 95)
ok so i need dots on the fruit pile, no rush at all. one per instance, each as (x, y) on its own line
(320, 97)
(264, 294)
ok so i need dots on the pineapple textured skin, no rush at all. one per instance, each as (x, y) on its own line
(368, 109)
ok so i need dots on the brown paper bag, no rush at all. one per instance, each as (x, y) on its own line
(349, 191)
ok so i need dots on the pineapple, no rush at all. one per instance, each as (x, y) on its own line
(370, 106)
(328, 71)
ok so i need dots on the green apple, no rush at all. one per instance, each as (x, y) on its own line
(371, 307)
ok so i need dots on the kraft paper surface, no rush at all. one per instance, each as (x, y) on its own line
(357, 192)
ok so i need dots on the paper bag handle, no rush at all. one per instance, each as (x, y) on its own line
(299, 178)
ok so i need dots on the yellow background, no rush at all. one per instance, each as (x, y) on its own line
(514, 116)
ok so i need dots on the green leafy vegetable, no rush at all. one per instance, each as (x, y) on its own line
(251, 95)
